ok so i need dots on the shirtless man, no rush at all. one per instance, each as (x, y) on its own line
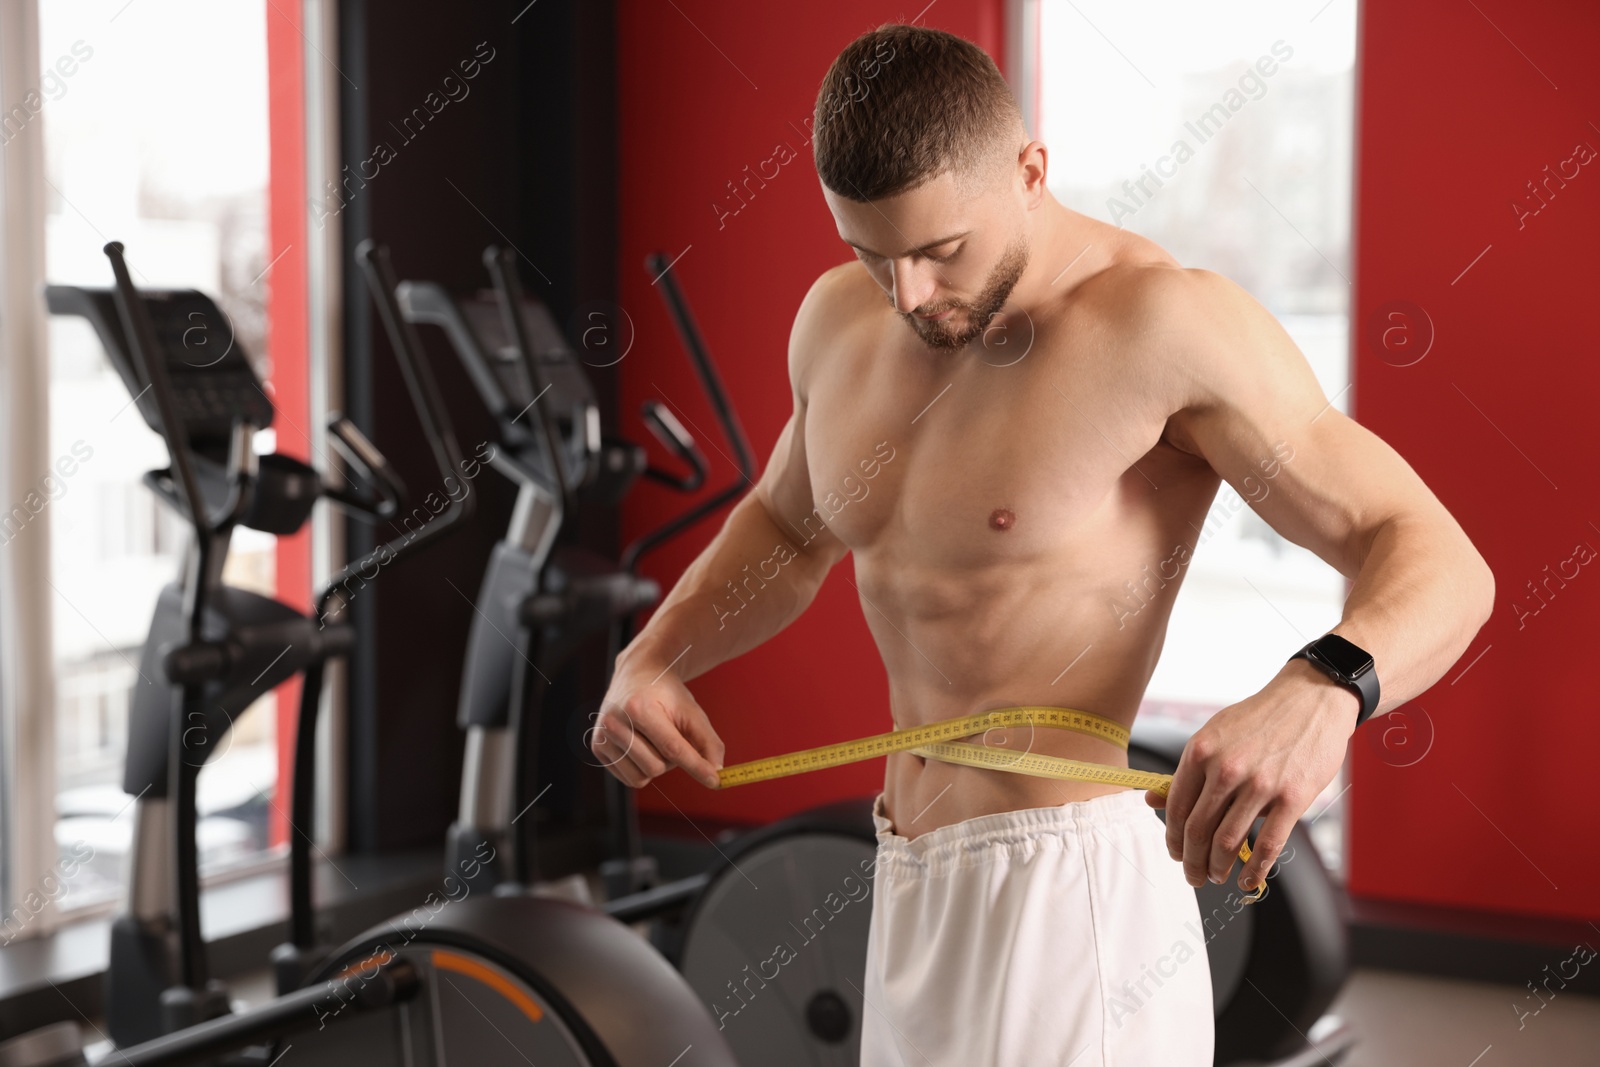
(1021, 494)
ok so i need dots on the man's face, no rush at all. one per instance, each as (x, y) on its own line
(946, 263)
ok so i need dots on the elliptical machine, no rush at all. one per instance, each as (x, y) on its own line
(558, 982)
(554, 980)
(551, 598)
(213, 649)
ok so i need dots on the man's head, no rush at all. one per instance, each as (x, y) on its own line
(920, 147)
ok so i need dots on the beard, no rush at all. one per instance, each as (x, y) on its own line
(996, 291)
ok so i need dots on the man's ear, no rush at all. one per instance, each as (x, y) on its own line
(1033, 161)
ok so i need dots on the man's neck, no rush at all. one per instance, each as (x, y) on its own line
(1061, 255)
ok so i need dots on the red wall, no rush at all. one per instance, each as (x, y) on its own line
(706, 89)
(1485, 798)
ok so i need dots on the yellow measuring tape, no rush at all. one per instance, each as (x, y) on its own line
(939, 740)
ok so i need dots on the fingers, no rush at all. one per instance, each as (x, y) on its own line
(704, 759)
(1206, 833)
(1202, 793)
(636, 759)
(610, 738)
(666, 748)
(643, 741)
(644, 762)
(1200, 829)
(623, 750)
(1231, 832)
(1234, 817)
(1187, 783)
(1269, 845)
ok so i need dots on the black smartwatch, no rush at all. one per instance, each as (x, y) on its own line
(1348, 665)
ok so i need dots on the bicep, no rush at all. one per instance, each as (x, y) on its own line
(785, 485)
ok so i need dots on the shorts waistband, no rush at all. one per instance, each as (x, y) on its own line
(1025, 825)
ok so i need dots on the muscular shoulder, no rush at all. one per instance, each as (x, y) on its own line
(839, 299)
(1181, 331)
(1142, 297)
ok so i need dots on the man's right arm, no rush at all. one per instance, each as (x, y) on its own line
(751, 581)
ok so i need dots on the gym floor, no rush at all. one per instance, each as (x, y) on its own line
(1416, 1021)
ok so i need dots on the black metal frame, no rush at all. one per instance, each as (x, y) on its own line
(371, 487)
(379, 274)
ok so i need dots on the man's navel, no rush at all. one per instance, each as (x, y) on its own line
(1002, 519)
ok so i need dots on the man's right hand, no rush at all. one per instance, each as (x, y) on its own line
(646, 728)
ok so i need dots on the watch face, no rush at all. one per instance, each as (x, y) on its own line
(1343, 656)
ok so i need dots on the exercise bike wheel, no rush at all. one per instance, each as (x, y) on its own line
(775, 944)
(511, 981)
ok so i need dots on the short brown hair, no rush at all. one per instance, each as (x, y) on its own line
(903, 104)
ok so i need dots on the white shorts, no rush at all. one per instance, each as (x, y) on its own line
(1062, 936)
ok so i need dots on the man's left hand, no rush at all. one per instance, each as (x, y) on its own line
(1269, 754)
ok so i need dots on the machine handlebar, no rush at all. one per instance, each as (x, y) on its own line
(383, 493)
(660, 268)
(670, 432)
(152, 368)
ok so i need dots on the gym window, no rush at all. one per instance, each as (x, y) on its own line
(1238, 160)
(108, 106)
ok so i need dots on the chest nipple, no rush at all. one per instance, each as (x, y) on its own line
(1002, 519)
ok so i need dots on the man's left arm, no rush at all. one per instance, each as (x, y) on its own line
(1421, 590)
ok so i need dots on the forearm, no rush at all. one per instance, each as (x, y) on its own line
(750, 582)
(1422, 593)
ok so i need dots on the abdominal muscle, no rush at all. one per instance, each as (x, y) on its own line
(959, 641)
(1039, 632)
(1048, 597)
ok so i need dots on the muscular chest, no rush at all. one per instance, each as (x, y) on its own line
(963, 463)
